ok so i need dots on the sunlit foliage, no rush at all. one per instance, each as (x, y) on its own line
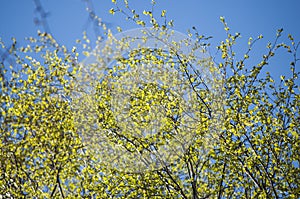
(165, 122)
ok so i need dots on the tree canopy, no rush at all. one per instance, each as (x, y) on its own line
(148, 115)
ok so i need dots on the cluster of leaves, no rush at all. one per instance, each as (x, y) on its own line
(62, 134)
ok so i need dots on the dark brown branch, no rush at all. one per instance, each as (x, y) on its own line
(192, 85)
(178, 188)
(221, 182)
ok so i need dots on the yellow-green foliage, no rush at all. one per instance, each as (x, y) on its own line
(150, 125)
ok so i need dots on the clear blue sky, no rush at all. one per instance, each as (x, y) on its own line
(67, 19)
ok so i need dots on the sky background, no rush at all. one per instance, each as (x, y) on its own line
(67, 20)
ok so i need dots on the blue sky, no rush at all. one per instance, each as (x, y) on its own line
(68, 19)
